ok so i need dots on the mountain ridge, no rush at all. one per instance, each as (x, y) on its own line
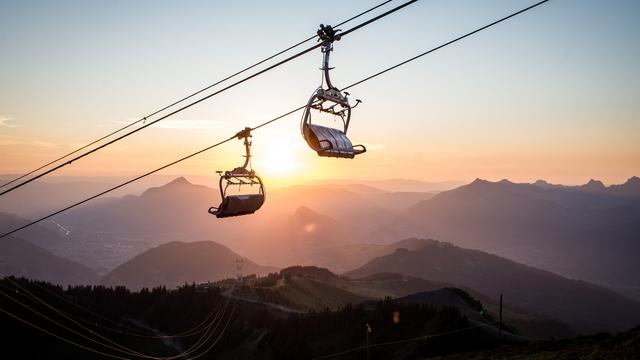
(579, 234)
(176, 263)
(534, 290)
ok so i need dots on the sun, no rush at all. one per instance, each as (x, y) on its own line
(277, 160)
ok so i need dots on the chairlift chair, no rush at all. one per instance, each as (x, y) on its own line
(244, 204)
(328, 141)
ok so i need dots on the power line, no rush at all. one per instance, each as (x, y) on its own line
(224, 329)
(386, 343)
(129, 330)
(145, 118)
(117, 186)
(61, 337)
(118, 348)
(447, 43)
(272, 120)
(159, 119)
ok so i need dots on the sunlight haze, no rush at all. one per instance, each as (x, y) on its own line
(539, 97)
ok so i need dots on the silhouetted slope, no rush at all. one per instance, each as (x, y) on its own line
(314, 288)
(582, 234)
(177, 263)
(602, 346)
(114, 314)
(23, 259)
(236, 329)
(453, 297)
(304, 288)
(584, 306)
(258, 331)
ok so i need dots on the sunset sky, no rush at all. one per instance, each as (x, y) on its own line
(552, 94)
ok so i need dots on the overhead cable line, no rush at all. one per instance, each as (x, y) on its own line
(146, 118)
(116, 346)
(447, 43)
(82, 335)
(271, 121)
(386, 343)
(61, 337)
(128, 330)
(105, 342)
(222, 332)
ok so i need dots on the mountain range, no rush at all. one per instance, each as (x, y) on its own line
(583, 306)
(177, 263)
(579, 232)
(417, 265)
(584, 232)
(106, 234)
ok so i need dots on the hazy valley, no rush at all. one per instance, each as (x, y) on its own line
(531, 240)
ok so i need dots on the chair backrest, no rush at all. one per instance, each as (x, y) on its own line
(236, 205)
(329, 141)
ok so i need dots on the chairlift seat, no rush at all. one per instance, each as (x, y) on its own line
(236, 205)
(330, 142)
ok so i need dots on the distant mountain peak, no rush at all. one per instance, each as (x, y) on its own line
(594, 185)
(310, 219)
(634, 180)
(305, 212)
(595, 182)
(179, 181)
(477, 183)
(175, 263)
(179, 186)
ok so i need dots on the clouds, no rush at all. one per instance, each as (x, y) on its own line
(4, 122)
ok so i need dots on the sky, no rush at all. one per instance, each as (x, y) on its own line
(551, 94)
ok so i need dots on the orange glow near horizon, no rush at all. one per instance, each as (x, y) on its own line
(501, 113)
